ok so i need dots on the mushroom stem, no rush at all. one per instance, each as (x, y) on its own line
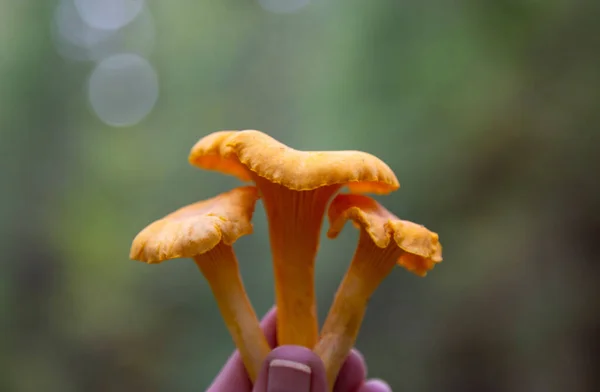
(295, 220)
(220, 268)
(369, 267)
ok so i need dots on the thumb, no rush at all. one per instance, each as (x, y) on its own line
(291, 369)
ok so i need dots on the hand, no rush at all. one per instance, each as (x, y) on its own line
(293, 369)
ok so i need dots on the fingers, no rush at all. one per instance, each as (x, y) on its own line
(233, 376)
(375, 386)
(292, 369)
(352, 374)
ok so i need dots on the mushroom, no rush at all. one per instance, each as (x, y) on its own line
(205, 231)
(384, 241)
(295, 188)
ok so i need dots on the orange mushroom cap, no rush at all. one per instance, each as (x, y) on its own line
(205, 232)
(238, 153)
(197, 228)
(422, 249)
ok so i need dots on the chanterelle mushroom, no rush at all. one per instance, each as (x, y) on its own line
(205, 231)
(295, 187)
(385, 241)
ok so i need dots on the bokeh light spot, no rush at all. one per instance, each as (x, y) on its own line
(75, 39)
(123, 89)
(137, 37)
(283, 6)
(108, 14)
(72, 35)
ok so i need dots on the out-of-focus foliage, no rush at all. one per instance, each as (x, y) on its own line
(487, 111)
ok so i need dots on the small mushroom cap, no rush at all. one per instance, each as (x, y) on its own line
(239, 153)
(197, 228)
(421, 247)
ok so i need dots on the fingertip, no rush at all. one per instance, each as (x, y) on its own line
(269, 317)
(232, 377)
(298, 354)
(375, 385)
(292, 365)
(352, 373)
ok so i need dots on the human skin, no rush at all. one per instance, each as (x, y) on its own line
(293, 369)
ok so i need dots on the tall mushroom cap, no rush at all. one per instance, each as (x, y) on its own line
(238, 153)
(197, 228)
(295, 188)
(422, 249)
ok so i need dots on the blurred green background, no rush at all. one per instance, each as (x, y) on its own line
(486, 110)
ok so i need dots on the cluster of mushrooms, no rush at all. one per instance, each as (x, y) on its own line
(296, 188)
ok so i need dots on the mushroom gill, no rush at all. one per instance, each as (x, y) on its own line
(206, 231)
(295, 188)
